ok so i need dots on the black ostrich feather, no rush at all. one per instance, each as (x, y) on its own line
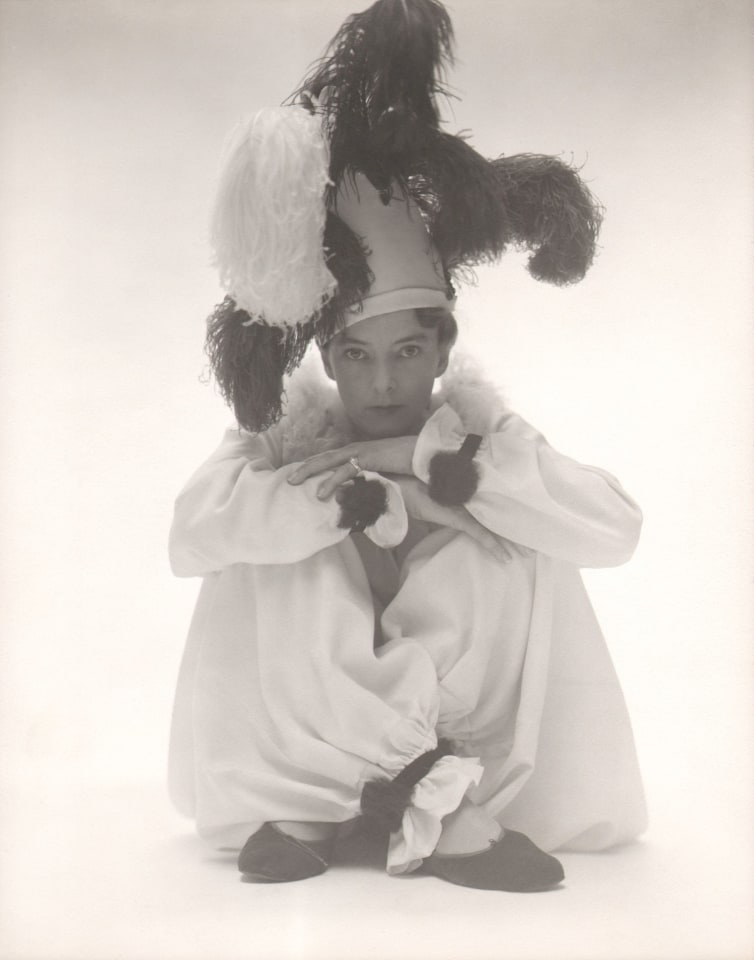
(376, 87)
(552, 213)
(376, 90)
(476, 208)
(459, 195)
(248, 363)
(346, 259)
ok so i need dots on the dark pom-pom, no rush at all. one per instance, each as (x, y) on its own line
(453, 479)
(453, 476)
(377, 85)
(552, 213)
(362, 503)
(383, 802)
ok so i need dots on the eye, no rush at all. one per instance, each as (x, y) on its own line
(410, 350)
(353, 353)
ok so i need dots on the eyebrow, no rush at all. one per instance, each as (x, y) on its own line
(419, 335)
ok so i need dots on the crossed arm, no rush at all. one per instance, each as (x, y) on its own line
(393, 457)
(528, 494)
(240, 507)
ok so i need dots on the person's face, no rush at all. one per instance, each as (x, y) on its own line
(384, 368)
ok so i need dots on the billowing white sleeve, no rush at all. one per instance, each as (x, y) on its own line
(239, 508)
(535, 496)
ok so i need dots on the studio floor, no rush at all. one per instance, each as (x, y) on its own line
(103, 872)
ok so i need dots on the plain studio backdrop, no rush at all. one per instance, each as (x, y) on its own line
(112, 118)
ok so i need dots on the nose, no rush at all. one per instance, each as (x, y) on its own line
(383, 378)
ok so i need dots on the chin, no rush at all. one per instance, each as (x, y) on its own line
(372, 426)
(377, 433)
(368, 429)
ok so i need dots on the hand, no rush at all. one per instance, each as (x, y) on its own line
(391, 455)
(421, 506)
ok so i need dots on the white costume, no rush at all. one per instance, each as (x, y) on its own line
(319, 659)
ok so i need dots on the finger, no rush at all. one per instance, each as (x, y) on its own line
(328, 487)
(498, 550)
(318, 464)
(309, 468)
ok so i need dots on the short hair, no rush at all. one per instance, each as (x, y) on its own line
(442, 320)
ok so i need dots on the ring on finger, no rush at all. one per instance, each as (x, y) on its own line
(355, 464)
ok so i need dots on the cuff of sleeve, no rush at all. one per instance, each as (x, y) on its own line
(443, 432)
(391, 527)
(444, 459)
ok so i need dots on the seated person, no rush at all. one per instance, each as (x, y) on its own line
(392, 623)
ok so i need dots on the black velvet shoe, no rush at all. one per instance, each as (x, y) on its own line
(513, 863)
(271, 856)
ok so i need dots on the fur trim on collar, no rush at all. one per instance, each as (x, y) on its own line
(315, 420)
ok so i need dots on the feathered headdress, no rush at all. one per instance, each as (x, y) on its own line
(300, 241)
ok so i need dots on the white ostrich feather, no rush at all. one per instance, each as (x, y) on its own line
(269, 217)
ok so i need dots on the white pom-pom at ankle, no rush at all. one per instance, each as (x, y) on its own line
(269, 217)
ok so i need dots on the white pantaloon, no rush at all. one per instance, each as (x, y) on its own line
(285, 707)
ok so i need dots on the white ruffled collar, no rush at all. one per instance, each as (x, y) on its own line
(314, 418)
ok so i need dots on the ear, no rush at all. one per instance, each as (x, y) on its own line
(443, 359)
(325, 355)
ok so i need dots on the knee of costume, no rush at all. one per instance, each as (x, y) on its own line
(283, 709)
(527, 684)
(473, 616)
